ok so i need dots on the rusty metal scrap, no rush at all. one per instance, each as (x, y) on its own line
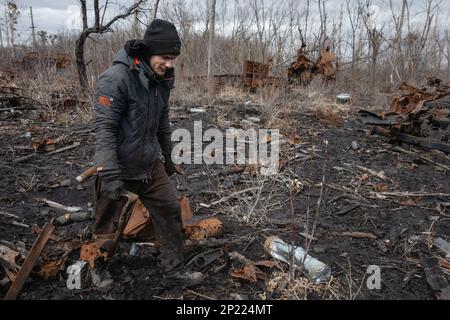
(90, 252)
(59, 60)
(255, 74)
(30, 262)
(204, 229)
(419, 116)
(304, 70)
(326, 64)
(51, 267)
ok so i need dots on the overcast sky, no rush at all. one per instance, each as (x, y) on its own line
(54, 16)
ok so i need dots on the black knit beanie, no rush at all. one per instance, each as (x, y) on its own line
(162, 38)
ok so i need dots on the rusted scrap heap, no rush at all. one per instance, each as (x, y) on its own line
(304, 70)
(58, 60)
(419, 116)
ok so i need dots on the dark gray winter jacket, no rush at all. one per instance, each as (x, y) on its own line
(131, 119)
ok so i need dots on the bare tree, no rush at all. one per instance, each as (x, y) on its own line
(354, 19)
(99, 28)
(155, 9)
(375, 36)
(1, 38)
(323, 22)
(419, 39)
(42, 35)
(12, 15)
(212, 28)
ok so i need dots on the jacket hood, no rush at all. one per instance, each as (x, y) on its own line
(121, 57)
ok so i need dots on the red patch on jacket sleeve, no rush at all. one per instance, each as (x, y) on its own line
(104, 101)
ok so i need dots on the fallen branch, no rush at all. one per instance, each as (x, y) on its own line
(379, 175)
(412, 194)
(423, 158)
(75, 145)
(360, 235)
(343, 189)
(201, 295)
(229, 171)
(346, 211)
(59, 206)
(23, 159)
(231, 196)
(9, 215)
(18, 224)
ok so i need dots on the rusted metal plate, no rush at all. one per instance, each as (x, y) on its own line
(255, 74)
(423, 142)
(372, 118)
(419, 116)
(30, 262)
(304, 70)
(51, 267)
(204, 229)
(90, 252)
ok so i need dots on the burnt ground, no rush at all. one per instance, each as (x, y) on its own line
(353, 200)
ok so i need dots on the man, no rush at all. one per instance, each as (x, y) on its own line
(132, 130)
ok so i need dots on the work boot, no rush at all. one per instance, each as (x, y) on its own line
(182, 278)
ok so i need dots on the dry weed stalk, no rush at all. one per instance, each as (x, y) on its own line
(303, 289)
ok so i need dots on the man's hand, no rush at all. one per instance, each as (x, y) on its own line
(171, 169)
(113, 189)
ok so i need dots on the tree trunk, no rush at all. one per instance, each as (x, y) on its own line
(211, 38)
(212, 29)
(156, 9)
(97, 16)
(1, 38)
(81, 66)
(84, 14)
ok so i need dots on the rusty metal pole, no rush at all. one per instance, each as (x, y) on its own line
(30, 262)
(33, 28)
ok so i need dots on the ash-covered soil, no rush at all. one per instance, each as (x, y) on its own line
(352, 200)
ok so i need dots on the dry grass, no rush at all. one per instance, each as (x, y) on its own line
(27, 184)
(303, 289)
(57, 92)
(190, 93)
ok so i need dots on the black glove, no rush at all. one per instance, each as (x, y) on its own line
(112, 188)
(171, 169)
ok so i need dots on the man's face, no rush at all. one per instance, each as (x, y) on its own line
(160, 64)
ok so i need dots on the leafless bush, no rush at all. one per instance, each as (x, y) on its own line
(265, 196)
(56, 92)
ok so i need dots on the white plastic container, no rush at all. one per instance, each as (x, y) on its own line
(315, 270)
(344, 98)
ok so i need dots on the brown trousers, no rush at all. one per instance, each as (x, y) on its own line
(160, 199)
